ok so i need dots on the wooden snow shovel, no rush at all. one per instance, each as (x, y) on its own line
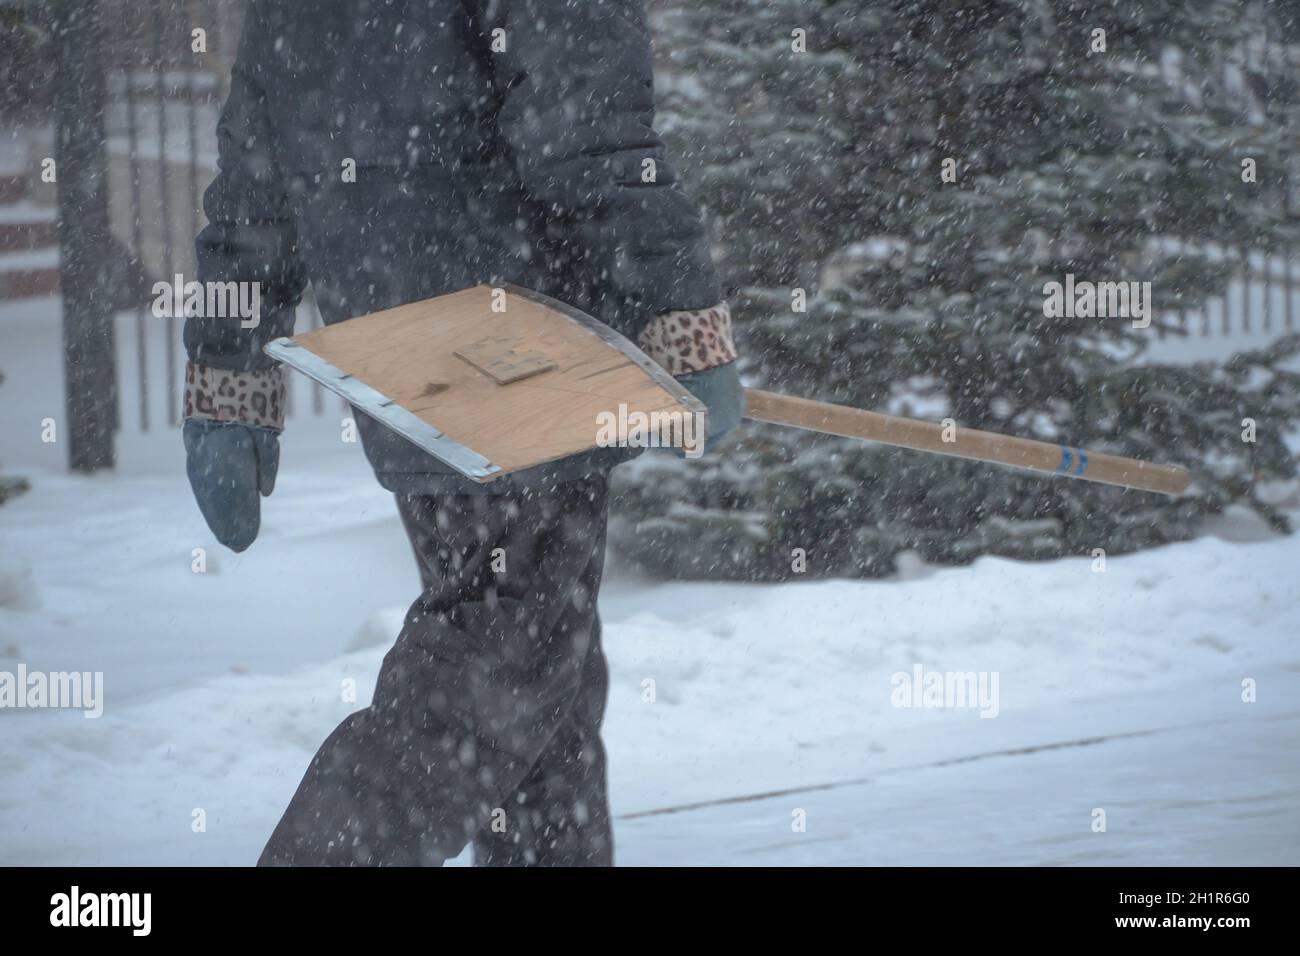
(499, 380)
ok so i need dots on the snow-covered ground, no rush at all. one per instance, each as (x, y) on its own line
(773, 735)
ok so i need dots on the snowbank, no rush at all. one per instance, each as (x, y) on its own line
(1118, 690)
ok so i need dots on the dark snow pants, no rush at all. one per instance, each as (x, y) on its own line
(485, 723)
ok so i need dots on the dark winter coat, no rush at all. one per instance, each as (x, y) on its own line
(493, 140)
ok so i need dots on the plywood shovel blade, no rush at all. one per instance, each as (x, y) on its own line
(495, 380)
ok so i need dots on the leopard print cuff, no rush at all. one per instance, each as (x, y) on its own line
(221, 395)
(690, 340)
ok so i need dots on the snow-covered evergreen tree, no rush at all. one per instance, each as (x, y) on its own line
(891, 186)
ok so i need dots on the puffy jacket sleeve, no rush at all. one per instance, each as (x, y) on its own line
(575, 88)
(250, 236)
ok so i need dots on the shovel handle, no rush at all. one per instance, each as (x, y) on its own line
(970, 443)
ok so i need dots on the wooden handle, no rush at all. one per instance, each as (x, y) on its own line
(967, 442)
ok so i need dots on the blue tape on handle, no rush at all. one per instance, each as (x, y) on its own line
(1083, 462)
(1066, 460)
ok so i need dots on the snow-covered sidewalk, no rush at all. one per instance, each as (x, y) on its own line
(773, 706)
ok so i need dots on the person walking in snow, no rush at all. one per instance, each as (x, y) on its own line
(488, 141)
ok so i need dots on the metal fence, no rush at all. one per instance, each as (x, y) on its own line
(1263, 297)
(138, 87)
(165, 89)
